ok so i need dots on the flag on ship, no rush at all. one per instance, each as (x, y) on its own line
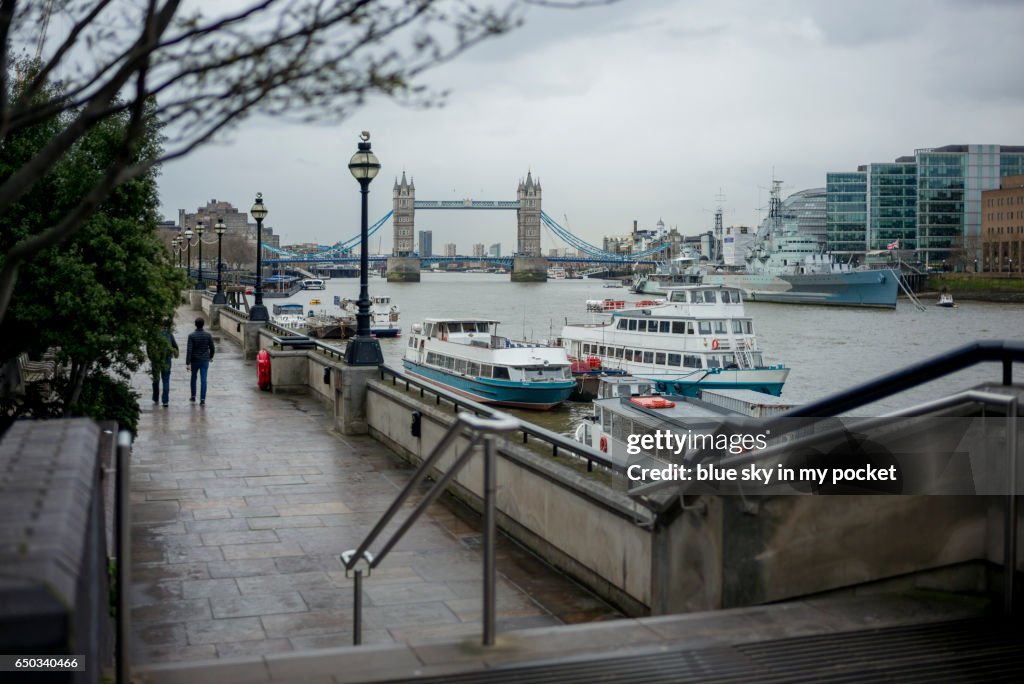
(894, 245)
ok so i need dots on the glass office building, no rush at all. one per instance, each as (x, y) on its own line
(892, 204)
(846, 211)
(804, 211)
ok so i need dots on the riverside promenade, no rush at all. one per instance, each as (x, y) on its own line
(241, 508)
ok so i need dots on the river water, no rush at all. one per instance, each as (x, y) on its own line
(828, 349)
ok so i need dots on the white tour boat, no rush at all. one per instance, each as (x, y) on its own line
(468, 357)
(313, 284)
(700, 338)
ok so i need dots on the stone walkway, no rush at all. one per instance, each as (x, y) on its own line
(242, 507)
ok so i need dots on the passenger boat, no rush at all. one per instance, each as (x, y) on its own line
(313, 284)
(699, 339)
(289, 316)
(468, 357)
(557, 273)
(630, 406)
(384, 317)
(945, 301)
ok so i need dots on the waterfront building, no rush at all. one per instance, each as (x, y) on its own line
(478, 249)
(426, 243)
(892, 204)
(449, 249)
(804, 211)
(846, 211)
(495, 250)
(1002, 227)
(736, 243)
(930, 201)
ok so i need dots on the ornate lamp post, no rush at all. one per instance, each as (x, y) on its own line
(363, 349)
(200, 285)
(176, 251)
(258, 312)
(219, 228)
(188, 259)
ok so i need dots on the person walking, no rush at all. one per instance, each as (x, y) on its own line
(160, 362)
(198, 355)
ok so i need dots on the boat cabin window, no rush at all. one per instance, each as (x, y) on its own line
(675, 359)
(704, 327)
(618, 352)
(659, 358)
(622, 324)
(737, 326)
(713, 362)
(454, 327)
(460, 365)
(677, 296)
(664, 326)
(734, 296)
(500, 373)
(428, 330)
(648, 357)
(679, 327)
(691, 361)
(629, 355)
(472, 368)
(720, 327)
(632, 324)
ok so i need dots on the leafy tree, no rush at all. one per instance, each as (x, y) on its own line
(201, 73)
(104, 294)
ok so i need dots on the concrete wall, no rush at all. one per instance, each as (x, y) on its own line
(403, 269)
(576, 524)
(529, 269)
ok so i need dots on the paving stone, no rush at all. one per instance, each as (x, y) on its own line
(271, 550)
(212, 587)
(234, 649)
(172, 611)
(223, 630)
(238, 537)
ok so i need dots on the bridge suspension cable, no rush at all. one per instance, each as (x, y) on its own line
(593, 250)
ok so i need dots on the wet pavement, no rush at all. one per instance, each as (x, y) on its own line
(241, 508)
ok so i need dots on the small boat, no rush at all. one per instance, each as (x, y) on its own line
(384, 317)
(613, 285)
(699, 339)
(468, 357)
(945, 301)
(556, 273)
(313, 284)
(315, 302)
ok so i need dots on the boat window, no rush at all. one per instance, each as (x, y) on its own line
(679, 327)
(473, 368)
(618, 352)
(485, 370)
(677, 296)
(618, 427)
(500, 373)
(632, 324)
(664, 326)
(713, 362)
(736, 297)
(469, 327)
(659, 358)
(709, 296)
(629, 354)
(429, 330)
(720, 327)
(691, 361)
(454, 327)
(566, 372)
(460, 365)
(648, 357)
(623, 390)
(737, 326)
(756, 359)
(622, 324)
(449, 362)
(750, 327)
(704, 327)
(602, 351)
(641, 326)
(689, 327)
(696, 297)
(675, 359)
(606, 421)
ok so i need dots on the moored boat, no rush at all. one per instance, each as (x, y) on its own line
(700, 338)
(945, 300)
(468, 357)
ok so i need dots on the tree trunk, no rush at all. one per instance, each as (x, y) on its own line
(78, 373)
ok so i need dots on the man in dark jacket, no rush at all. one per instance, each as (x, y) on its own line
(198, 356)
(160, 361)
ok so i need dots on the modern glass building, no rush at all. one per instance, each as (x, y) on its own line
(892, 204)
(931, 202)
(804, 211)
(426, 243)
(846, 212)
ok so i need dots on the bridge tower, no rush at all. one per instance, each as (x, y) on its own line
(403, 264)
(529, 264)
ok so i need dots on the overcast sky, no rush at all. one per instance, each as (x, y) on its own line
(642, 110)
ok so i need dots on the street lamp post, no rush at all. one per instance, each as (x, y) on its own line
(363, 349)
(188, 258)
(176, 251)
(258, 312)
(200, 285)
(219, 228)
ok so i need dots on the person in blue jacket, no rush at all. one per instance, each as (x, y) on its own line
(198, 356)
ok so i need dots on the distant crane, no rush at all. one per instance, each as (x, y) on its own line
(44, 22)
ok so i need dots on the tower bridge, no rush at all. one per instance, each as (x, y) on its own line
(528, 264)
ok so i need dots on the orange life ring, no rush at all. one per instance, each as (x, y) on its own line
(604, 444)
(714, 343)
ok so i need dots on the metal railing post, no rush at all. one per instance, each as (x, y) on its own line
(490, 541)
(122, 575)
(1010, 523)
(357, 608)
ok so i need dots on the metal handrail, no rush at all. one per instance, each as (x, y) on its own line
(558, 442)
(479, 430)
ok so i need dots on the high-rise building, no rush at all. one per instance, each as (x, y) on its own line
(449, 249)
(478, 249)
(930, 202)
(1002, 228)
(804, 211)
(495, 250)
(426, 243)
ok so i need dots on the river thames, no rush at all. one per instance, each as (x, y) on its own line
(828, 349)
